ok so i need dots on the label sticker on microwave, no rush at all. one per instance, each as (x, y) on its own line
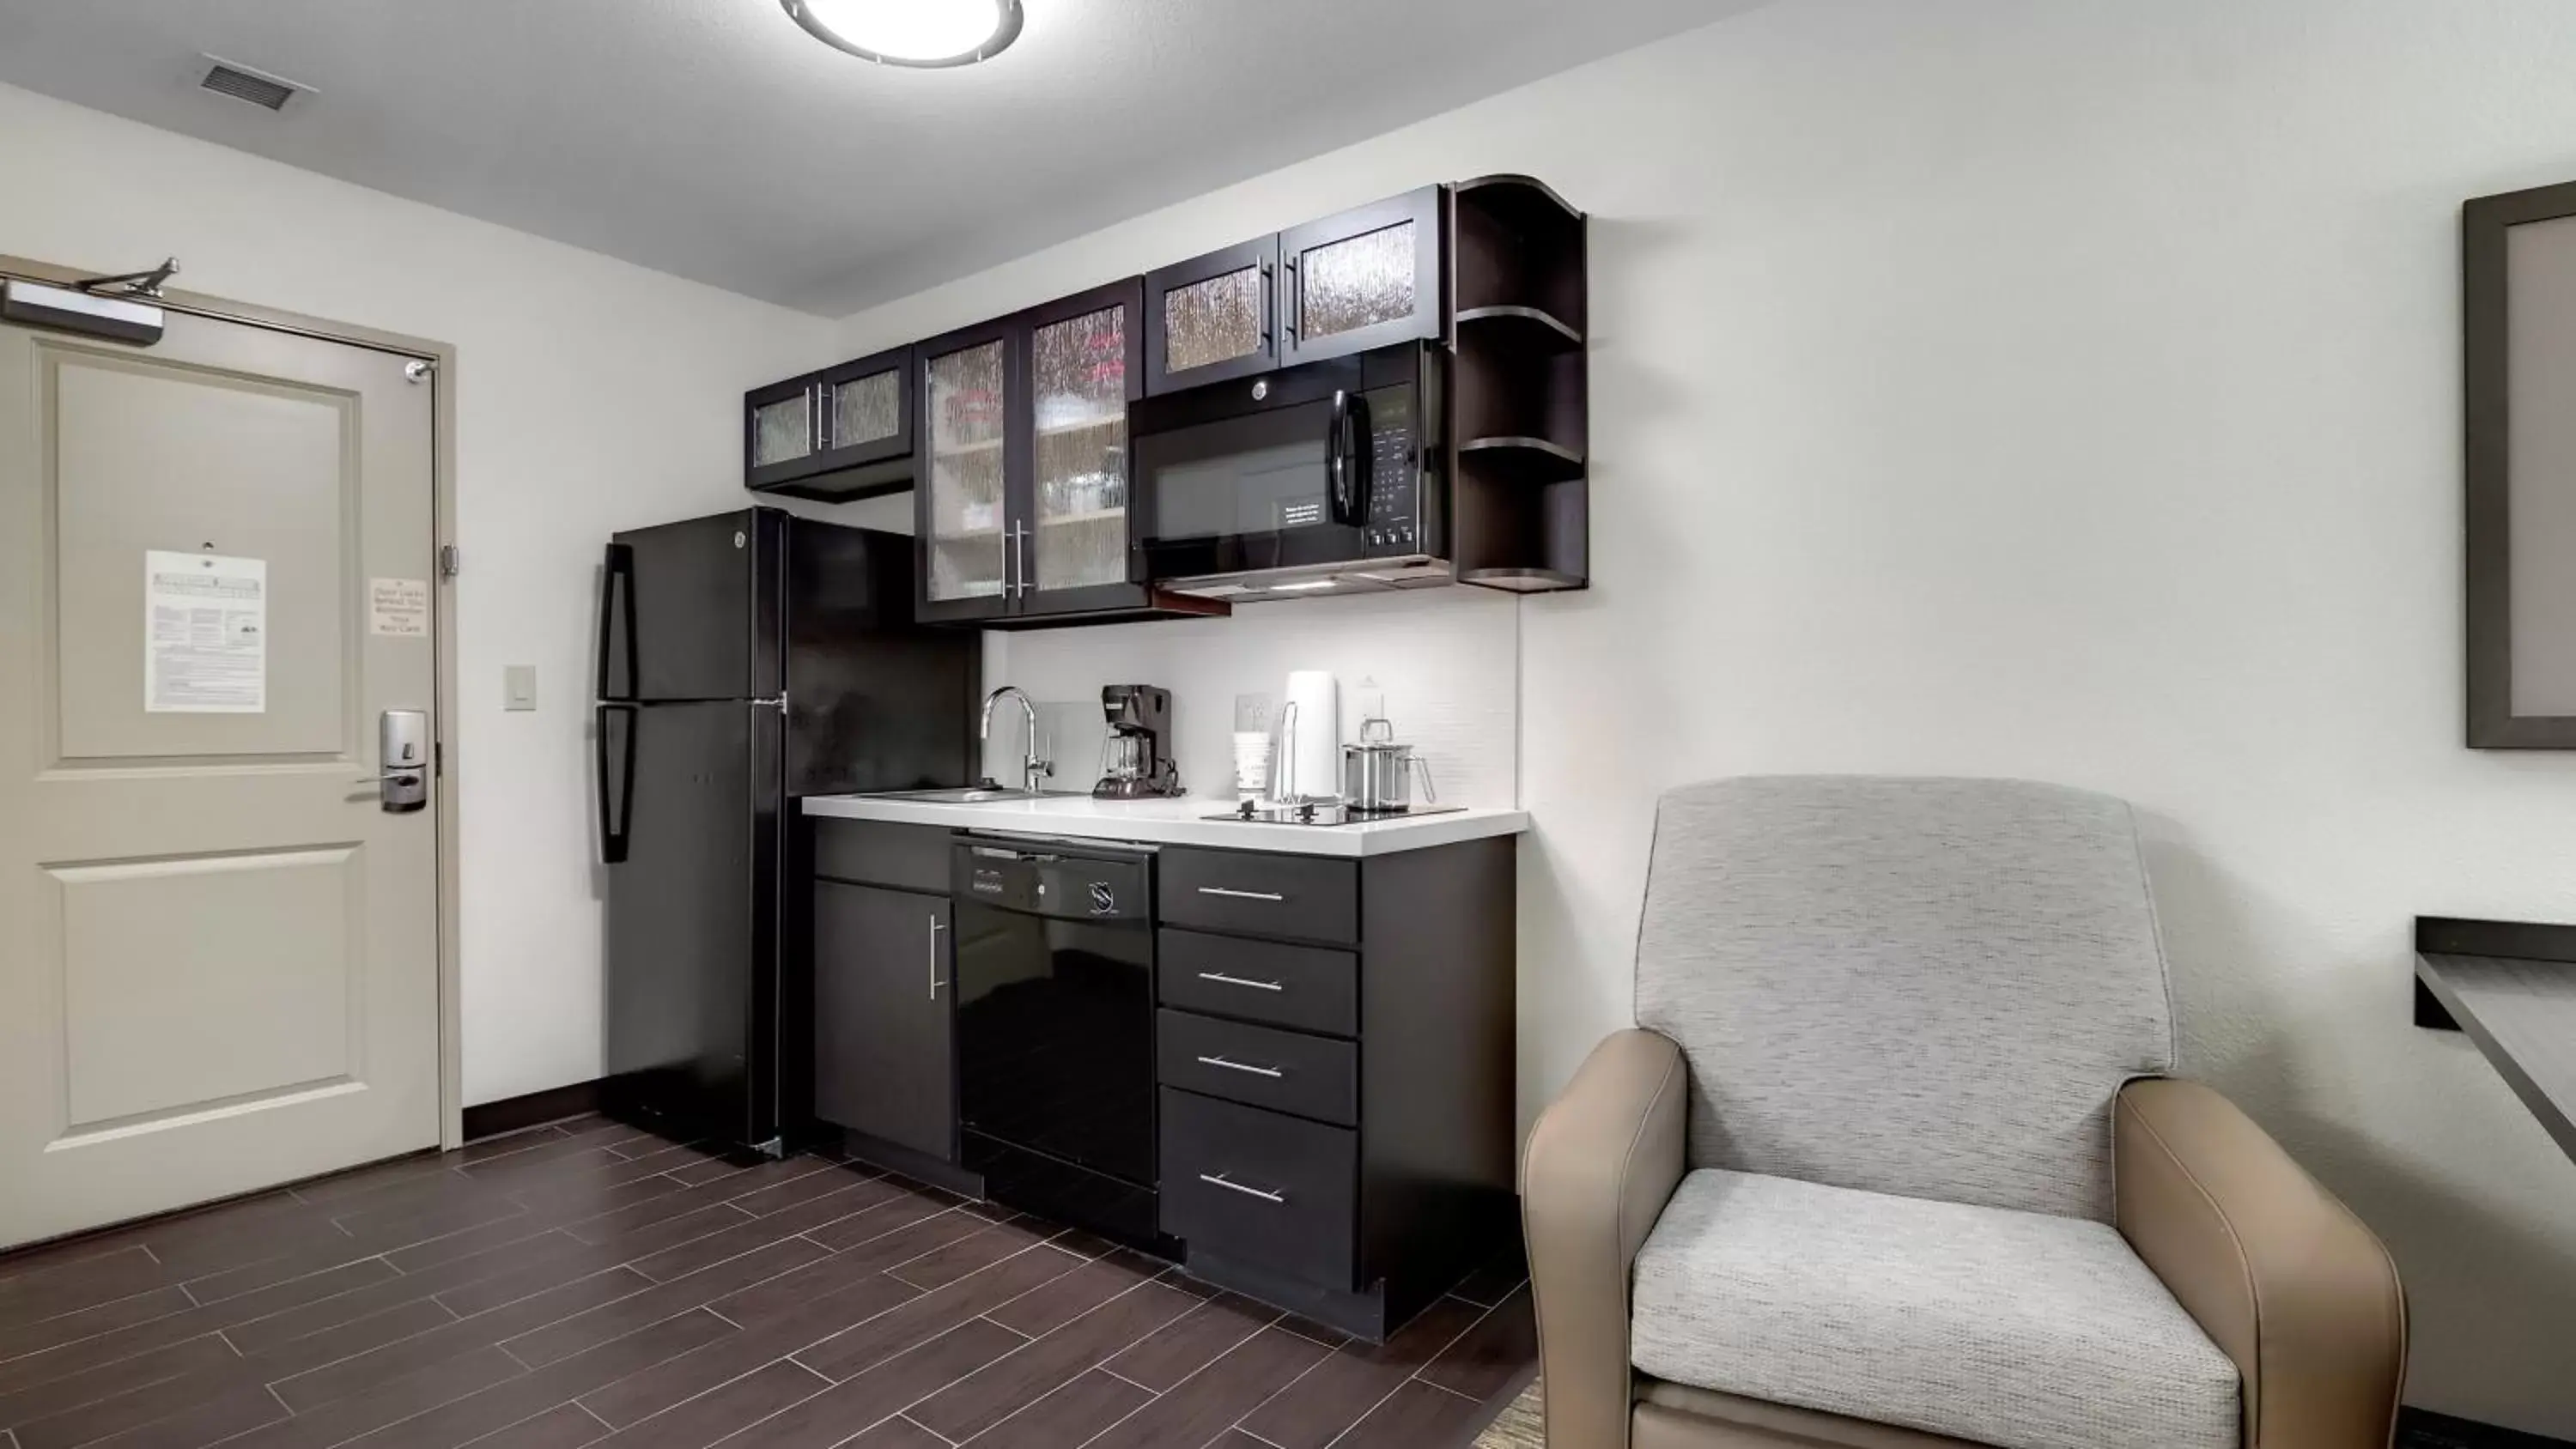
(1303, 513)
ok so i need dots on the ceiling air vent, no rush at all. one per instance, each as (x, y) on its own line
(244, 84)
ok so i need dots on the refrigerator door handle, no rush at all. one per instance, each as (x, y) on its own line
(617, 619)
(617, 795)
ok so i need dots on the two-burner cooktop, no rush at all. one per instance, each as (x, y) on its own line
(1325, 812)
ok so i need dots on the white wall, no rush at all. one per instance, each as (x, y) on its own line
(591, 395)
(2067, 389)
(1445, 663)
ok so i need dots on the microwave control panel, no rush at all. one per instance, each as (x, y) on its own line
(1393, 520)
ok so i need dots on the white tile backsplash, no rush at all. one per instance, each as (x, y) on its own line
(1447, 661)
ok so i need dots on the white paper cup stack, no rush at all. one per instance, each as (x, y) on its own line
(1251, 764)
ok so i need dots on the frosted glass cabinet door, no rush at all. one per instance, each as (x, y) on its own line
(778, 433)
(866, 409)
(963, 511)
(1214, 321)
(783, 431)
(1370, 277)
(1359, 282)
(1081, 374)
(1210, 318)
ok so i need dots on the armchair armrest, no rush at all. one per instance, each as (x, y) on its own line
(2279, 1274)
(1601, 1163)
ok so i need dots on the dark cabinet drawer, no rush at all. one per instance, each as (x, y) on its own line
(1302, 897)
(1312, 1076)
(1266, 981)
(872, 852)
(1260, 1188)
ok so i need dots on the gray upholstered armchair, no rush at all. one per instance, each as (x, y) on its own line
(1888, 1161)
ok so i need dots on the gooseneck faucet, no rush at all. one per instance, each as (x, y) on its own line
(1033, 765)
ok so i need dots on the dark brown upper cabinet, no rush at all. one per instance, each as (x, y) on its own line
(1212, 318)
(1013, 434)
(1521, 391)
(845, 432)
(1021, 517)
(1371, 276)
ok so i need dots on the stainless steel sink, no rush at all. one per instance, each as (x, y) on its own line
(975, 795)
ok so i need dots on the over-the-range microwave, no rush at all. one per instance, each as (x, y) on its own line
(1329, 475)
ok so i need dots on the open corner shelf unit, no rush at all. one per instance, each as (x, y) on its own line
(1522, 388)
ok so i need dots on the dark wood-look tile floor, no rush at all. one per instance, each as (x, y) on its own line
(587, 1284)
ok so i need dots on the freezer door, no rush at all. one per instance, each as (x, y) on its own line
(694, 610)
(693, 949)
(876, 700)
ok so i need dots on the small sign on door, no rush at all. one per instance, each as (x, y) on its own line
(398, 608)
(205, 633)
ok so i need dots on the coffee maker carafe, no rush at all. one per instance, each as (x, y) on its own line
(1136, 760)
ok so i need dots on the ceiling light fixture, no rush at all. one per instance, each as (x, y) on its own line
(911, 32)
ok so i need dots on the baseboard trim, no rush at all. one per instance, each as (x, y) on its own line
(2424, 1429)
(530, 1109)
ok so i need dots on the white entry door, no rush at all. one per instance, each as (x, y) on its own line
(218, 952)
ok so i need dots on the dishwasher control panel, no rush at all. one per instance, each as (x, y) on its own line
(1041, 880)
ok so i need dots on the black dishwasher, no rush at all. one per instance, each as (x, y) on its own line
(1055, 1029)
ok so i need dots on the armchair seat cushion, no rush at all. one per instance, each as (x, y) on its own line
(2021, 1330)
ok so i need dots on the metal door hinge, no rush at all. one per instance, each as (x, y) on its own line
(438, 758)
(449, 561)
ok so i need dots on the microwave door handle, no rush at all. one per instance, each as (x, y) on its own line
(1348, 452)
(1336, 468)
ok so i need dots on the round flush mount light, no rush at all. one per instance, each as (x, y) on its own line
(911, 32)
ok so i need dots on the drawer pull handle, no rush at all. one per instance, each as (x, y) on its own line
(1241, 895)
(1219, 1179)
(1222, 979)
(1240, 1067)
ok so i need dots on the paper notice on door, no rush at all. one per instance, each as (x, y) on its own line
(398, 608)
(205, 634)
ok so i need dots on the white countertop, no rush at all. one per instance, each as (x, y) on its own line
(1176, 822)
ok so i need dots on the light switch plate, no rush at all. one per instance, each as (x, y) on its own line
(1252, 712)
(518, 686)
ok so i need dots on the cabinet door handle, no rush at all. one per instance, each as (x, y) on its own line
(1269, 306)
(1235, 895)
(1222, 979)
(1010, 562)
(1219, 1179)
(1246, 1067)
(936, 926)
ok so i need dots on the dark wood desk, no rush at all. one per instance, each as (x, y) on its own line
(2512, 988)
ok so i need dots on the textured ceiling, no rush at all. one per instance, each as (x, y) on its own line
(714, 139)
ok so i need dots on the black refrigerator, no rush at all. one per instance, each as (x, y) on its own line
(745, 661)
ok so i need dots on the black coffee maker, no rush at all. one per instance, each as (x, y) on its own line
(1136, 760)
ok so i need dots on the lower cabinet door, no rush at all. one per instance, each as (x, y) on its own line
(884, 1037)
(1261, 1188)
